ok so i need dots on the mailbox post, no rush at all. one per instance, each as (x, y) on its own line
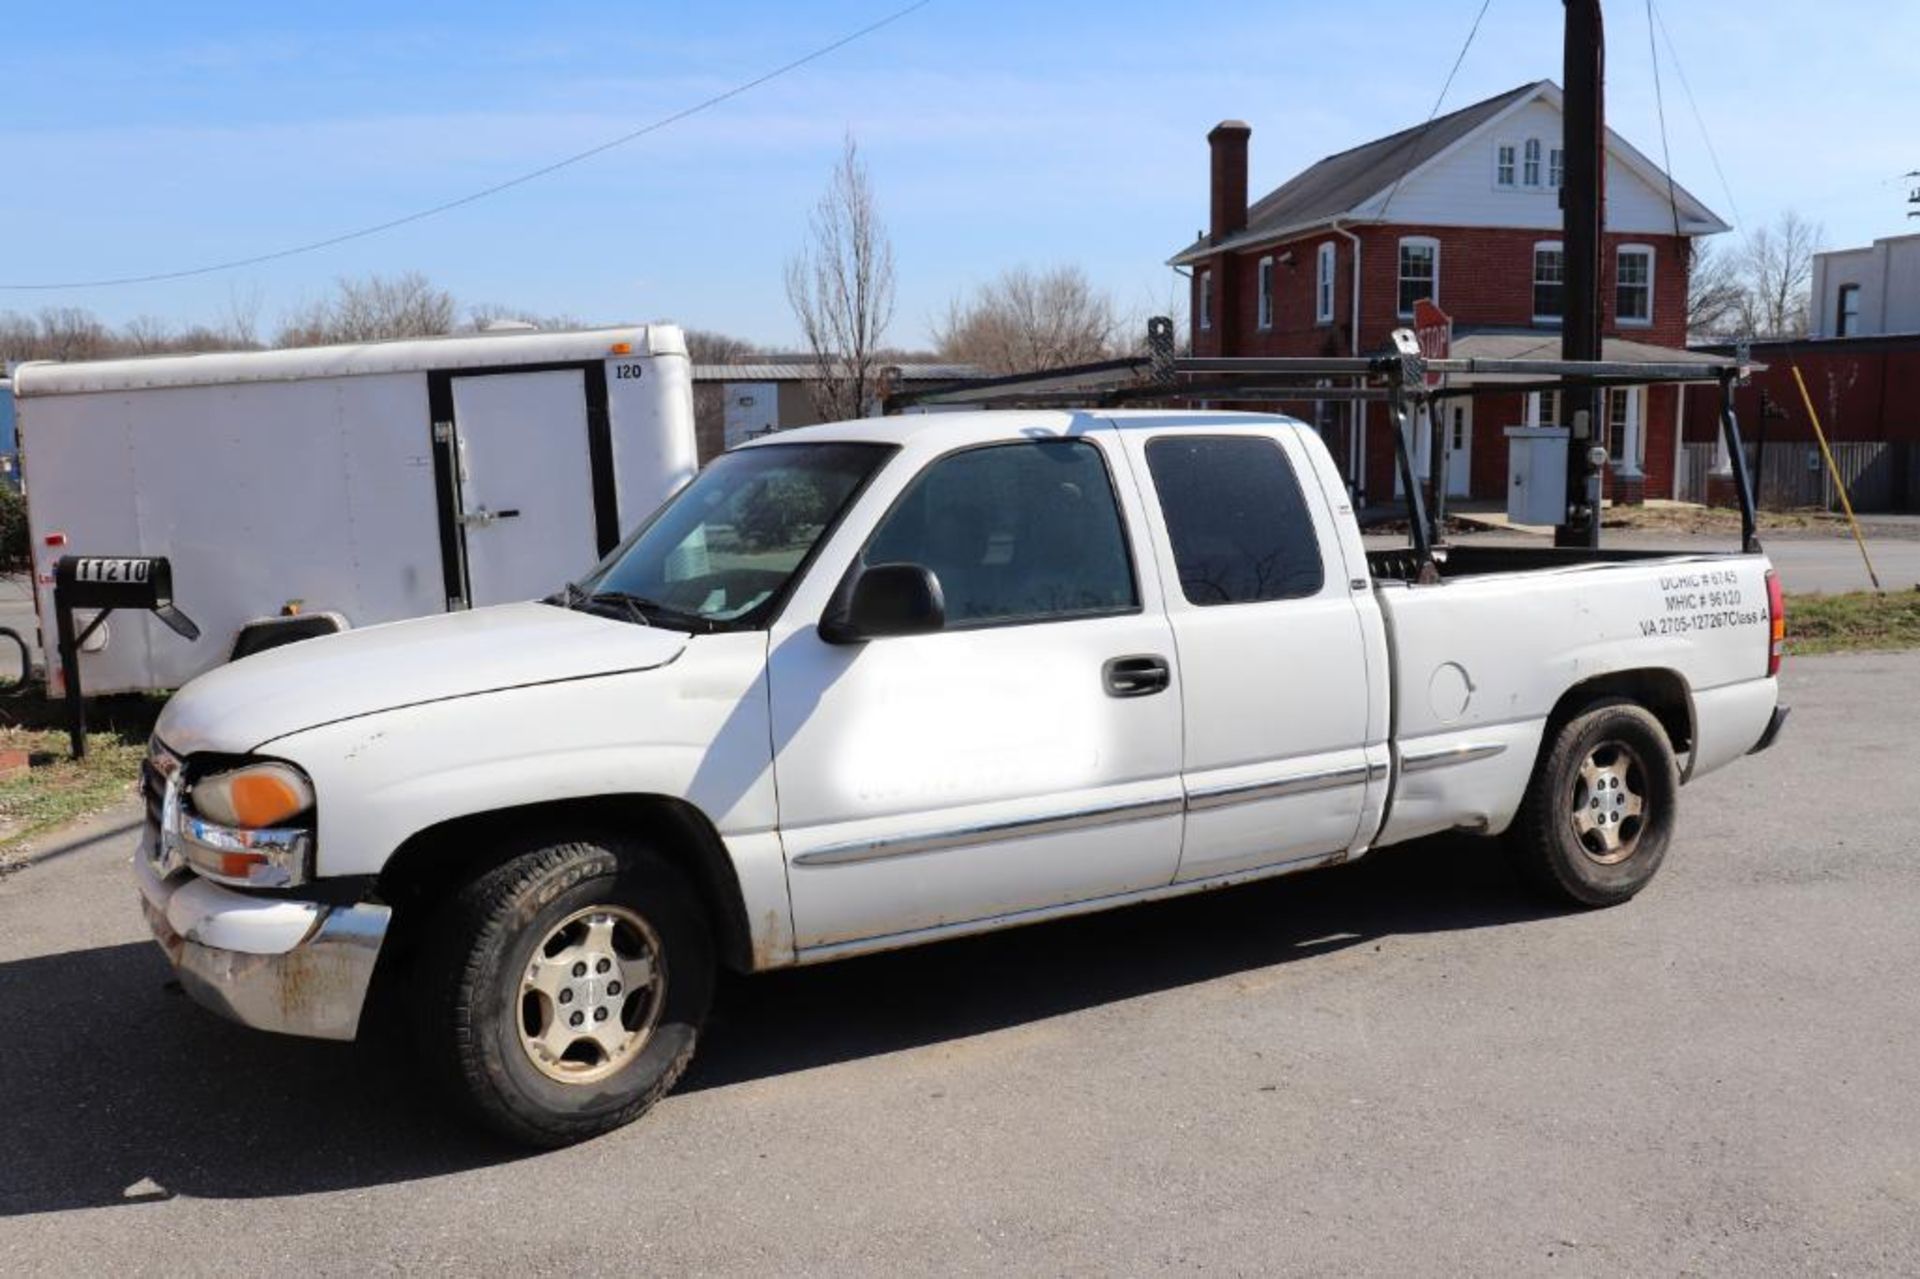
(107, 582)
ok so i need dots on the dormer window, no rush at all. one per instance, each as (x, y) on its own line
(1556, 168)
(1530, 171)
(1503, 156)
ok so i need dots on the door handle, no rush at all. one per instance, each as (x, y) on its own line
(1140, 676)
(483, 517)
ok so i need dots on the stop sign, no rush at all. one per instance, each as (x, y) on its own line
(1433, 330)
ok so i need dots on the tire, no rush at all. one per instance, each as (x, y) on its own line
(1600, 810)
(540, 940)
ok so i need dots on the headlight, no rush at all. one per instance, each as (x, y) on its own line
(238, 827)
(253, 797)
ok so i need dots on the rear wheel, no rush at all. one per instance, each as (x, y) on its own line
(562, 992)
(1600, 810)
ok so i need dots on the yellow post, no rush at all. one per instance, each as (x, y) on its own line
(1838, 483)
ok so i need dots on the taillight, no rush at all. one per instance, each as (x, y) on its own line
(1776, 623)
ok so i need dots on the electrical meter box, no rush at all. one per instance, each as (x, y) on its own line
(1537, 474)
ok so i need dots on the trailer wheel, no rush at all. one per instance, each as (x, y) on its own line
(1601, 807)
(562, 992)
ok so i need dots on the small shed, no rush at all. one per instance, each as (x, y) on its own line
(740, 400)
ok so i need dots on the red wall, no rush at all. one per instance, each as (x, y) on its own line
(1486, 281)
(1863, 390)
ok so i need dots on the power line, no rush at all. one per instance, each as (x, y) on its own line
(1414, 150)
(1681, 70)
(1660, 106)
(475, 196)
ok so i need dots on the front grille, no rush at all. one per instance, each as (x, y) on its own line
(159, 765)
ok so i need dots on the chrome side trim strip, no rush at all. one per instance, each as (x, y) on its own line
(1250, 792)
(1018, 828)
(1465, 753)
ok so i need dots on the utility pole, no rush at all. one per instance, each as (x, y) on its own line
(1582, 201)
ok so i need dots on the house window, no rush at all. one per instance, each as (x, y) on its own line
(1530, 172)
(1503, 165)
(1265, 316)
(1617, 424)
(1549, 282)
(1546, 408)
(1623, 427)
(1323, 285)
(1633, 292)
(1849, 314)
(1556, 167)
(1419, 271)
(1206, 300)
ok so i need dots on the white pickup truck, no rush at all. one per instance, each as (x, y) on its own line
(866, 685)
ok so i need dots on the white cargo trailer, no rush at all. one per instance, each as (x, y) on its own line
(371, 482)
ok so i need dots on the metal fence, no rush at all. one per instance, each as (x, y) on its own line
(1880, 475)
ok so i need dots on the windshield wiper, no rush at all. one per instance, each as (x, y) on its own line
(650, 611)
(634, 606)
(571, 595)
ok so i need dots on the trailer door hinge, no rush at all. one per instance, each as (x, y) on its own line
(442, 432)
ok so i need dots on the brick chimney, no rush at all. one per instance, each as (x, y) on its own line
(1228, 140)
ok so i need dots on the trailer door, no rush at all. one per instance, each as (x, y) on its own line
(526, 490)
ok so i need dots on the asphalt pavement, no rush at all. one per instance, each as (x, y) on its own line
(1402, 1066)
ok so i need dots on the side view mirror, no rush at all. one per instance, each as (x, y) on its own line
(884, 600)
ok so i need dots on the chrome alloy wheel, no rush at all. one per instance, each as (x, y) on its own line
(1609, 803)
(591, 994)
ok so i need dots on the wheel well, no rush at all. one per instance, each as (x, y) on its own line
(1663, 692)
(433, 863)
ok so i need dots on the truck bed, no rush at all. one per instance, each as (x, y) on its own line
(1400, 565)
(1480, 663)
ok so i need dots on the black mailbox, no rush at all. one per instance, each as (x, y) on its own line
(107, 582)
(121, 581)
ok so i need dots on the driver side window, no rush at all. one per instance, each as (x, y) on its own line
(1016, 533)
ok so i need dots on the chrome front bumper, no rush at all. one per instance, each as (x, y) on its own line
(295, 967)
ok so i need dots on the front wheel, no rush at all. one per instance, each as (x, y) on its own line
(563, 991)
(1600, 810)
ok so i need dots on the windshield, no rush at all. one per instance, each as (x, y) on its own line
(722, 551)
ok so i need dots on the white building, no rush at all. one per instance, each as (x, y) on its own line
(1867, 291)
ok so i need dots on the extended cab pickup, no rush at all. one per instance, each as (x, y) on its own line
(871, 684)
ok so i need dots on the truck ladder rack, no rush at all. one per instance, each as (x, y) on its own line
(1404, 380)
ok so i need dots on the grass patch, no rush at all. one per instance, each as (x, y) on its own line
(1856, 621)
(54, 789)
(1675, 517)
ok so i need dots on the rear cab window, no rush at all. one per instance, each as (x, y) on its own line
(1239, 525)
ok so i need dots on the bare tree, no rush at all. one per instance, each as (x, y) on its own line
(840, 285)
(1716, 291)
(1031, 320)
(239, 326)
(73, 333)
(147, 334)
(19, 337)
(1778, 270)
(373, 309)
(485, 316)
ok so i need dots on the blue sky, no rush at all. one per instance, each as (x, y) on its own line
(144, 138)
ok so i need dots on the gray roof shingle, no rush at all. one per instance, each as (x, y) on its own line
(1340, 182)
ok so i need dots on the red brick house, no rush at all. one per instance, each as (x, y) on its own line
(1465, 211)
